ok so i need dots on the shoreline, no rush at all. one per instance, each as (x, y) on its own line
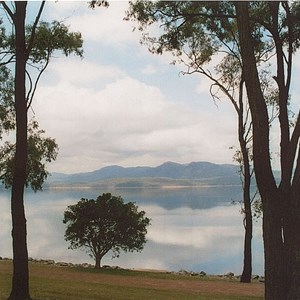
(182, 272)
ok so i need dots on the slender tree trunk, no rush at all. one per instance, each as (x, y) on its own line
(276, 260)
(276, 273)
(247, 266)
(20, 282)
(98, 259)
(292, 238)
(247, 269)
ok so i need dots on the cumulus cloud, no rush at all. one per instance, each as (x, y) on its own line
(99, 24)
(123, 117)
(81, 72)
(148, 70)
(122, 105)
(106, 108)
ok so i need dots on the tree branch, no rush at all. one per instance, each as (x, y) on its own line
(294, 141)
(290, 44)
(31, 40)
(8, 10)
(31, 93)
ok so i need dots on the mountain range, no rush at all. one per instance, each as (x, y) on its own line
(168, 174)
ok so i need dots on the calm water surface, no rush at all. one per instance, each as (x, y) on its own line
(192, 229)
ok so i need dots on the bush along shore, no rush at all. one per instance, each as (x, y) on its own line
(181, 272)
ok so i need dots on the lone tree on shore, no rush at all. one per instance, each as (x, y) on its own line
(105, 224)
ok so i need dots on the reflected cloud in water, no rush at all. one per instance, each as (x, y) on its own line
(209, 239)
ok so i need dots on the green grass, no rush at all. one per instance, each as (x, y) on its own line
(65, 287)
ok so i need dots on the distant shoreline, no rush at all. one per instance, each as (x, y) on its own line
(229, 275)
(162, 187)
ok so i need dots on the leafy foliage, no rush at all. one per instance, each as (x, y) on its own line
(43, 40)
(28, 52)
(7, 112)
(48, 38)
(95, 3)
(53, 37)
(105, 224)
(200, 32)
(40, 151)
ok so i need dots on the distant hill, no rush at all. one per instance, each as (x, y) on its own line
(167, 174)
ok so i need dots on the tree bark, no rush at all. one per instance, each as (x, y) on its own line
(98, 259)
(247, 266)
(276, 259)
(20, 281)
(292, 237)
(248, 224)
(276, 273)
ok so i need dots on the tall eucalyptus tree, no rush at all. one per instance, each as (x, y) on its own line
(260, 32)
(28, 45)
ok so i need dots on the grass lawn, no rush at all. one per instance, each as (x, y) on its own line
(48, 282)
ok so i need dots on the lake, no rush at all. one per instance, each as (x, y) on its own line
(196, 229)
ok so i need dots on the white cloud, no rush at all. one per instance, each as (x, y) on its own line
(82, 72)
(149, 70)
(121, 118)
(105, 110)
(204, 85)
(99, 24)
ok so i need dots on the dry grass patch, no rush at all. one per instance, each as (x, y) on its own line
(64, 283)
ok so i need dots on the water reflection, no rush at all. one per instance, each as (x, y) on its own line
(193, 229)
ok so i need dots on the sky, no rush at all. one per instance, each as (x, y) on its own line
(122, 105)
